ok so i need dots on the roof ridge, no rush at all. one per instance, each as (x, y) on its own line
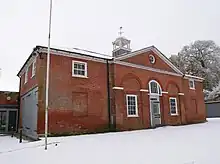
(79, 49)
(90, 51)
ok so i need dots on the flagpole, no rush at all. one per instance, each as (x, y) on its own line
(47, 78)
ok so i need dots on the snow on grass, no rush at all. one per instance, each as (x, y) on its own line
(191, 144)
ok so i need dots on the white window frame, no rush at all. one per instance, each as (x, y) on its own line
(79, 62)
(173, 114)
(159, 89)
(33, 68)
(152, 56)
(26, 76)
(193, 81)
(136, 105)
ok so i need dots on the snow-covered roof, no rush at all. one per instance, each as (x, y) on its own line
(82, 51)
(194, 77)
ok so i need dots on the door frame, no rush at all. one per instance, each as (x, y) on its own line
(7, 110)
(30, 131)
(6, 121)
(151, 113)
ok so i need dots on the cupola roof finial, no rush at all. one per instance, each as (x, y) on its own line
(120, 32)
(121, 45)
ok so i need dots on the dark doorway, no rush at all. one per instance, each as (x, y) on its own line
(12, 121)
(3, 121)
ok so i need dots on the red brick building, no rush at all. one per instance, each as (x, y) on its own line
(91, 92)
(9, 109)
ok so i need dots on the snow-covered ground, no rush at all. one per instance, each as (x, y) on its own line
(191, 144)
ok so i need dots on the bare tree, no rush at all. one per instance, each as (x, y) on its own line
(200, 58)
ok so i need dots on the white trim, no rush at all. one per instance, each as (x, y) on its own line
(74, 55)
(154, 94)
(134, 53)
(193, 82)
(181, 94)
(33, 71)
(194, 77)
(118, 88)
(154, 60)
(144, 90)
(146, 68)
(151, 110)
(86, 69)
(27, 65)
(156, 51)
(136, 105)
(126, 49)
(67, 54)
(159, 89)
(164, 92)
(26, 75)
(167, 61)
(174, 98)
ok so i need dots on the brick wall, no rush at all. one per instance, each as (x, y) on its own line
(143, 59)
(133, 79)
(194, 102)
(75, 104)
(31, 82)
(80, 104)
(8, 98)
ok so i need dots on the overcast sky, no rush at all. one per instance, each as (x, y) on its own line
(94, 24)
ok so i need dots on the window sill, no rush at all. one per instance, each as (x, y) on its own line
(174, 114)
(192, 88)
(85, 77)
(132, 116)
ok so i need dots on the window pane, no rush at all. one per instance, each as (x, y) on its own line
(131, 110)
(172, 100)
(156, 108)
(83, 72)
(154, 87)
(129, 102)
(133, 102)
(191, 84)
(79, 69)
(173, 109)
(131, 105)
(75, 72)
(80, 66)
(80, 72)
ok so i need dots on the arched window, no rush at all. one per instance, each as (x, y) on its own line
(154, 87)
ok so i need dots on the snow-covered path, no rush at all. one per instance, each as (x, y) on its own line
(198, 143)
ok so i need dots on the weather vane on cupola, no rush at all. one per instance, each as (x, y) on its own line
(121, 45)
(120, 31)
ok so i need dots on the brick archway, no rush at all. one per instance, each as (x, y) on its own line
(131, 81)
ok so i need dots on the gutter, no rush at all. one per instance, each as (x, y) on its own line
(19, 109)
(108, 96)
(38, 49)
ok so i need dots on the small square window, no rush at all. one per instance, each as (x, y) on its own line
(132, 109)
(191, 84)
(79, 69)
(173, 106)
